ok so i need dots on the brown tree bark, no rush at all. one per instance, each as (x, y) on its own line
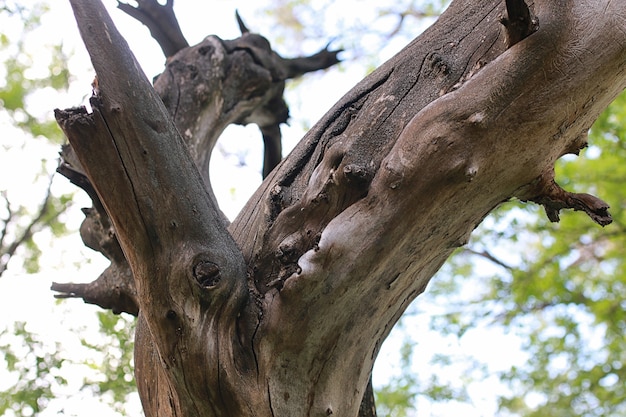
(282, 312)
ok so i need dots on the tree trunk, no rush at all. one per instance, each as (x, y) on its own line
(282, 312)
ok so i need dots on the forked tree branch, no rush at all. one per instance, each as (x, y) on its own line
(166, 31)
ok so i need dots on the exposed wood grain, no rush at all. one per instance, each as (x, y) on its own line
(349, 229)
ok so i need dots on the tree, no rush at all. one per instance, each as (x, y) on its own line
(282, 310)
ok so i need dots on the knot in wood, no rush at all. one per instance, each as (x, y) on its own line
(438, 66)
(357, 174)
(207, 49)
(207, 274)
(287, 251)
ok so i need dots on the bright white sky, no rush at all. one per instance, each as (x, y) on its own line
(27, 298)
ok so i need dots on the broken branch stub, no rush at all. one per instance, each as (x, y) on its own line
(554, 198)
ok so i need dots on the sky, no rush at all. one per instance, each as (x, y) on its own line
(27, 298)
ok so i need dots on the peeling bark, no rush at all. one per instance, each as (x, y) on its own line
(282, 312)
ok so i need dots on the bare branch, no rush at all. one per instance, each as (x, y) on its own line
(7, 220)
(242, 26)
(323, 59)
(113, 290)
(29, 230)
(162, 22)
(553, 198)
(273, 147)
(487, 255)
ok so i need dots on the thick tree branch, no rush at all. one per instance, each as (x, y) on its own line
(399, 172)
(186, 266)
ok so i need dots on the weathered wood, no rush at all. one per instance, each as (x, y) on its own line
(186, 266)
(205, 88)
(349, 229)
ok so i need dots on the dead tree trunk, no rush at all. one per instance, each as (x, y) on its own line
(282, 312)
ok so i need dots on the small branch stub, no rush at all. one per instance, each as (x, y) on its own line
(519, 23)
(554, 198)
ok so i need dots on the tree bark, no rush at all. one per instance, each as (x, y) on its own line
(282, 312)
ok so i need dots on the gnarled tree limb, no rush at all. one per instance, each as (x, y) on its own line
(348, 230)
(553, 198)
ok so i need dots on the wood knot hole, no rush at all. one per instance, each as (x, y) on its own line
(207, 274)
(357, 174)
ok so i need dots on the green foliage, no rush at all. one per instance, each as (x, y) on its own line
(22, 81)
(35, 368)
(397, 397)
(115, 381)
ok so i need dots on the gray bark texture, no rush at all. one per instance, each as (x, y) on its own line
(283, 311)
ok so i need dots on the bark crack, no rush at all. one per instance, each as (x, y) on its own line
(96, 103)
(269, 399)
(254, 354)
(295, 170)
